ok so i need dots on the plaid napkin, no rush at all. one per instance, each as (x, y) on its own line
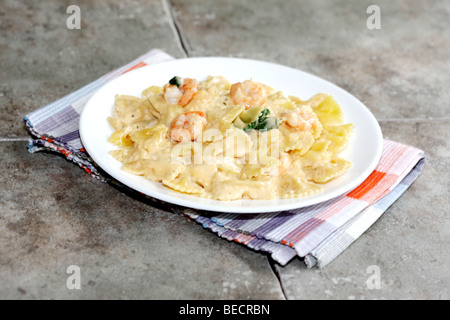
(318, 233)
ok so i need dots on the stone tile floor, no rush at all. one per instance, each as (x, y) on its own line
(53, 215)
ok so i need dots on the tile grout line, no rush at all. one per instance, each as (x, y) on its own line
(277, 275)
(176, 28)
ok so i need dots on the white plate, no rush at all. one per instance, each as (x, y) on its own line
(364, 150)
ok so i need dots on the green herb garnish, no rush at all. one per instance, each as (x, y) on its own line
(176, 81)
(264, 122)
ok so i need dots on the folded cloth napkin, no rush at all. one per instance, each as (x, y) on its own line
(317, 233)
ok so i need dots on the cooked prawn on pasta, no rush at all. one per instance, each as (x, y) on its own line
(230, 141)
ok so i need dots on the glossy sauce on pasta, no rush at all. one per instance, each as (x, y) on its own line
(278, 147)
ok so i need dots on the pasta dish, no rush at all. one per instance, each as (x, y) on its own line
(218, 140)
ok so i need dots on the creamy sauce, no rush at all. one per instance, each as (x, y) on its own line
(282, 148)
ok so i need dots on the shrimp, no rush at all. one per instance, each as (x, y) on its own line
(189, 89)
(188, 126)
(300, 119)
(285, 163)
(182, 93)
(172, 94)
(248, 94)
